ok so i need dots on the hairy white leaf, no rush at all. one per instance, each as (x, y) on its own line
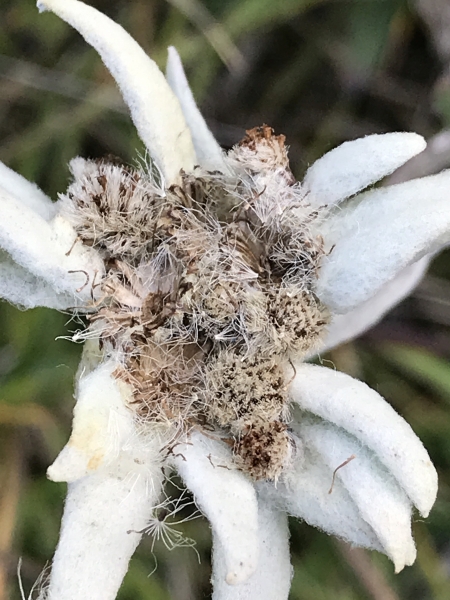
(26, 192)
(102, 424)
(304, 492)
(22, 288)
(350, 325)
(154, 108)
(209, 154)
(272, 579)
(48, 250)
(378, 235)
(380, 500)
(353, 166)
(228, 499)
(104, 516)
(359, 410)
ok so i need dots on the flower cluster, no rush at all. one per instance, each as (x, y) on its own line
(206, 279)
(207, 292)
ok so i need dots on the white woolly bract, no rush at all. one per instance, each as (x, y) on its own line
(26, 192)
(46, 249)
(154, 108)
(209, 154)
(304, 493)
(350, 325)
(227, 498)
(380, 500)
(272, 578)
(20, 287)
(103, 517)
(360, 411)
(102, 425)
(355, 165)
(350, 275)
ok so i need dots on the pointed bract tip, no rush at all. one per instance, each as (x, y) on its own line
(418, 141)
(406, 559)
(154, 108)
(428, 498)
(43, 5)
(70, 465)
(174, 60)
(357, 164)
(408, 142)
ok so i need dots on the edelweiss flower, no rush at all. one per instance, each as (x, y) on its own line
(205, 284)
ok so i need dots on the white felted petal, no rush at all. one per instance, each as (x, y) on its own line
(359, 410)
(22, 288)
(355, 165)
(272, 579)
(227, 498)
(47, 249)
(103, 516)
(379, 235)
(154, 108)
(352, 324)
(303, 493)
(375, 492)
(209, 153)
(26, 192)
(102, 424)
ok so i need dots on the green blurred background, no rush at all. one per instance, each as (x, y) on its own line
(320, 72)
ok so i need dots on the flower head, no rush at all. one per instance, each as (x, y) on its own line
(206, 279)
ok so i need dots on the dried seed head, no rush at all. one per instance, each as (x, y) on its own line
(164, 382)
(240, 390)
(296, 321)
(112, 207)
(208, 291)
(263, 449)
(262, 150)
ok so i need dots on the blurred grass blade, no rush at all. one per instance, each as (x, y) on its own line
(369, 24)
(246, 17)
(9, 501)
(422, 366)
(213, 31)
(431, 564)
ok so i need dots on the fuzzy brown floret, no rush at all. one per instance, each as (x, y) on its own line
(261, 149)
(296, 321)
(164, 381)
(263, 449)
(242, 389)
(112, 207)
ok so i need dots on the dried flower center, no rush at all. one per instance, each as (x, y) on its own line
(208, 292)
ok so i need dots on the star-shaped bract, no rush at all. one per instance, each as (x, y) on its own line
(376, 245)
